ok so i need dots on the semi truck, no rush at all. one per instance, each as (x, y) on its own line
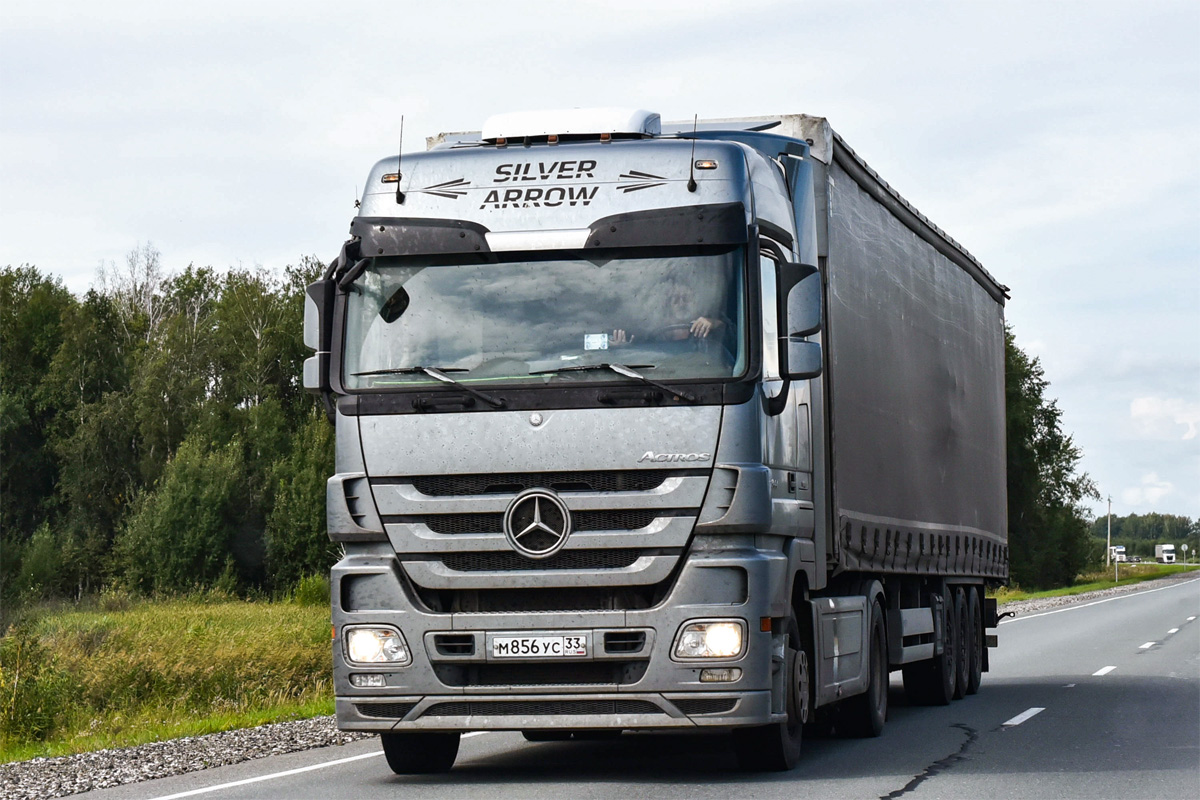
(646, 427)
(1117, 553)
(1164, 553)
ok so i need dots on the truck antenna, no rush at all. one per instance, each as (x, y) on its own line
(691, 184)
(400, 155)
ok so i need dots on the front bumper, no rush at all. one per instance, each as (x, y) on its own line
(462, 688)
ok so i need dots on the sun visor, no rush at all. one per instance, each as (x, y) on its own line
(389, 236)
(717, 224)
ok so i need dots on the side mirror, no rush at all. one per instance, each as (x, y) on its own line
(800, 300)
(318, 334)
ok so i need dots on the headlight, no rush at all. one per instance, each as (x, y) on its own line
(376, 646)
(713, 639)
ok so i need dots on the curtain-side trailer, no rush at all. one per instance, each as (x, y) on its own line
(654, 427)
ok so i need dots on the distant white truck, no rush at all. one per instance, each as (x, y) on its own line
(1164, 553)
(1117, 553)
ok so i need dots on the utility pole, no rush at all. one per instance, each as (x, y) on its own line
(1108, 550)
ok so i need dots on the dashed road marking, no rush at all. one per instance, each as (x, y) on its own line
(1102, 671)
(1024, 716)
(1189, 619)
(1147, 645)
(1173, 630)
(1069, 686)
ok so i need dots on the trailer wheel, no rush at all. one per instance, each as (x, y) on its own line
(864, 714)
(963, 675)
(776, 747)
(420, 753)
(932, 683)
(975, 626)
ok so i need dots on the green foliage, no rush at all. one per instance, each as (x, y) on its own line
(180, 390)
(32, 312)
(79, 680)
(1048, 527)
(297, 544)
(312, 590)
(180, 535)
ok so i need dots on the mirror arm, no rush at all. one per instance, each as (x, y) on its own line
(775, 405)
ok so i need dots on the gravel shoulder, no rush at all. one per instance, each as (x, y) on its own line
(66, 775)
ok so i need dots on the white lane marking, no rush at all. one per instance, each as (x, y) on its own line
(261, 778)
(1098, 602)
(1024, 715)
(1173, 630)
(1069, 686)
(1189, 619)
(1147, 645)
(1102, 671)
(283, 774)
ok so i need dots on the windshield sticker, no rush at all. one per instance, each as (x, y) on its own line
(595, 341)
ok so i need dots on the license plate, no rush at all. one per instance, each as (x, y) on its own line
(539, 646)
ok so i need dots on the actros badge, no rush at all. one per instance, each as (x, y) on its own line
(537, 523)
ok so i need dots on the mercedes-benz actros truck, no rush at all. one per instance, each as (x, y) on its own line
(654, 427)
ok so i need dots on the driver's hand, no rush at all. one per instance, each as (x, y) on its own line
(618, 338)
(701, 327)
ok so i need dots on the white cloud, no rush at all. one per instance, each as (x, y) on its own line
(1159, 418)
(1149, 493)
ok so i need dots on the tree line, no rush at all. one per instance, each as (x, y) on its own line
(1141, 532)
(154, 436)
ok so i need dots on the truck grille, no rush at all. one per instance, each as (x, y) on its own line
(592, 673)
(514, 482)
(619, 520)
(570, 559)
(516, 708)
(532, 601)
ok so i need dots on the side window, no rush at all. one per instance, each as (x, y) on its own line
(770, 318)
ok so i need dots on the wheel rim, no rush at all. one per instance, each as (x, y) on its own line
(799, 710)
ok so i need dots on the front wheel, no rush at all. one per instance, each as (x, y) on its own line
(420, 753)
(776, 747)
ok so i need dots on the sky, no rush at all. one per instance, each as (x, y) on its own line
(1059, 142)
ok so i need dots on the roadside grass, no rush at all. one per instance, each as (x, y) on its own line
(1090, 582)
(133, 671)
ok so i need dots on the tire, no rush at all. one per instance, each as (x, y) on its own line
(932, 683)
(963, 674)
(864, 714)
(776, 747)
(975, 626)
(420, 753)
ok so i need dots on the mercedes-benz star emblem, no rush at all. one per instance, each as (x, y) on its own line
(537, 523)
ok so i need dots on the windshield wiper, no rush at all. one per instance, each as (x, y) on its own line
(438, 374)
(628, 372)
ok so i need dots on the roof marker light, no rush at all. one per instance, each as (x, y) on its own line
(706, 163)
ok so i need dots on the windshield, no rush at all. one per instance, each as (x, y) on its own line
(671, 317)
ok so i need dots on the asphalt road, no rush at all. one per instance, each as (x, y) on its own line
(1093, 700)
